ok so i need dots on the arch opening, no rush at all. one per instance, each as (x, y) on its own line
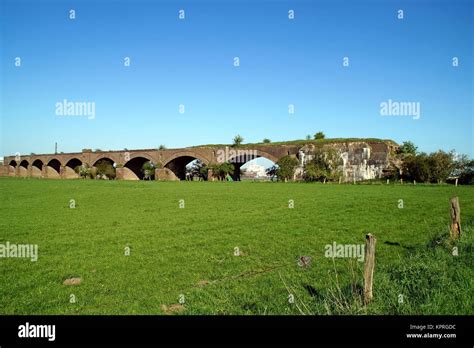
(135, 169)
(55, 165)
(253, 167)
(12, 168)
(73, 163)
(23, 168)
(184, 167)
(105, 168)
(38, 164)
(37, 168)
(71, 168)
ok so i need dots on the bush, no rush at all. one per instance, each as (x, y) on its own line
(238, 140)
(148, 170)
(84, 171)
(286, 167)
(325, 165)
(319, 135)
(105, 169)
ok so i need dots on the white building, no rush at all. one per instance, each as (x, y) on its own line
(257, 169)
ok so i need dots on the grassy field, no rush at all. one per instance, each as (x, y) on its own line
(190, 251)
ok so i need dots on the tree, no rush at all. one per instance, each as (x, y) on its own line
(238, 140)
(308, 137)
(272, 172)
(221, 170)
(225, 169)
(408, 148)
(441, 164)
(204, 172)
(319, 135)
(417, 167)
(463, 169)
(286, 167)
(435, 167)
(162, 147)
(105, 169)
(196, 170)
(266, 141)
(325, 165)
(148, 170)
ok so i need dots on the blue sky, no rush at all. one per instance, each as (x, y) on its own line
(190, 62)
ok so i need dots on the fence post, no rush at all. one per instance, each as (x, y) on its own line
(370, 241)
(455, 229)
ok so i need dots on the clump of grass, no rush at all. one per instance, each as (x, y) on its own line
(347, 299)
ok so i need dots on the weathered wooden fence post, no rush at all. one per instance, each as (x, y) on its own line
(455, 228)
(369, 267)
(456, 184)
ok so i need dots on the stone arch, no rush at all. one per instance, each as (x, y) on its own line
(37, 168)
(107, 159)
(53, 168)
(193, 154)
(146, 155)
(12, 168)
(113, 157)
(132, 169)
(69, 168)
(177, 163)
(247, 155)
(23, 168)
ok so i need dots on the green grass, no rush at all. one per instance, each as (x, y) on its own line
(174, 249)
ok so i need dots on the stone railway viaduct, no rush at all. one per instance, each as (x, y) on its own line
(362, 160)
(129, 162)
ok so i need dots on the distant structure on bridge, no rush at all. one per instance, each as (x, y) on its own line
(255, 171)
(362, 159)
